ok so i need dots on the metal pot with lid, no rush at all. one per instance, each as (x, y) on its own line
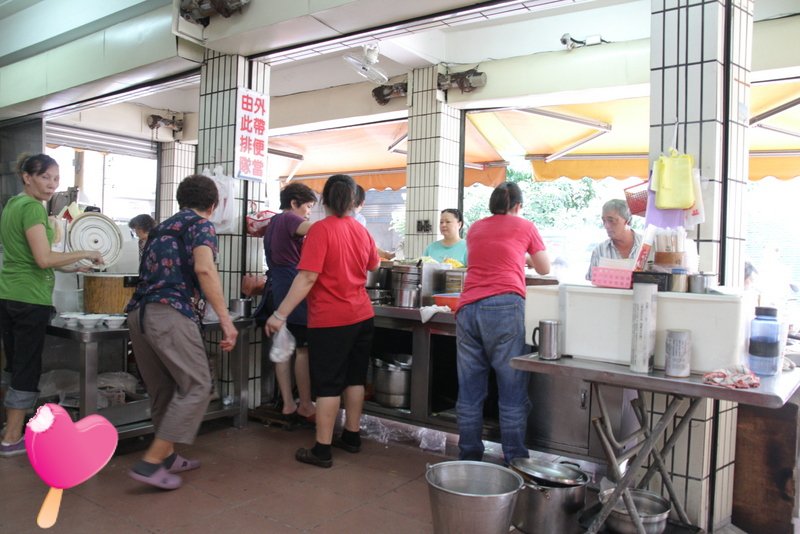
(552, 499)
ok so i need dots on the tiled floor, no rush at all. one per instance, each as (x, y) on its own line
(249, 482)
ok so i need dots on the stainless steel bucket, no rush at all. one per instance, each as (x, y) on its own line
(472, 497)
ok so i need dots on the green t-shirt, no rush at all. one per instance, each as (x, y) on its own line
(21, 279)
(440, 252)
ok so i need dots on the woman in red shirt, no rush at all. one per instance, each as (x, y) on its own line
(332, 276)
(490, 323)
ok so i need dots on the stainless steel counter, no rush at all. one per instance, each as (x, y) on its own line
(773, 392)
(133, 418)
(664, 432)
(412, 314)
(430, 343)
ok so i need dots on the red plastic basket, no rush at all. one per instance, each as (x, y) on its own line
(636, 197)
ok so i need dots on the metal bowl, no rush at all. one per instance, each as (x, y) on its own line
(653, 510)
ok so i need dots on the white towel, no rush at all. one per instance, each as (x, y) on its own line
(426, 312)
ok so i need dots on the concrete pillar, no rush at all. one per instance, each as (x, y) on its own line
(220, 75)
(433, 160)
(700, 70)
(176, 161)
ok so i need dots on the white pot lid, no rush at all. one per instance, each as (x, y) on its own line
(95, 231)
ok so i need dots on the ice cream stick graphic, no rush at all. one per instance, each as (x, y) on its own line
(65, 454)
(48, 513)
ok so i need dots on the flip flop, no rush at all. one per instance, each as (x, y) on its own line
(162, 479)
(181, 464)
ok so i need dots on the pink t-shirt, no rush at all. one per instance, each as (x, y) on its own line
(496, 248)
(341, 251)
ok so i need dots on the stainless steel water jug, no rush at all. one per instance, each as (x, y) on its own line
(547, 340)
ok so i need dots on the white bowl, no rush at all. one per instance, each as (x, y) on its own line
(90, 320)
(71, 322)
(115, 321)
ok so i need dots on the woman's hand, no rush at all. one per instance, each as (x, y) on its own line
(95, 257)
(274, 323)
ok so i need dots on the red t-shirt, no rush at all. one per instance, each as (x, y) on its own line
(496, 248)
(341, 251)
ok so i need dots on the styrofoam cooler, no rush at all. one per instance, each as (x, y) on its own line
(596, 323)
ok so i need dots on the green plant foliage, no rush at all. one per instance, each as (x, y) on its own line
(547, 204)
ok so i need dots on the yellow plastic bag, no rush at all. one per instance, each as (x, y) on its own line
(673, 181)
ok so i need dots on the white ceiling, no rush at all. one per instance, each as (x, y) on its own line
(483, 31)
(461, 42)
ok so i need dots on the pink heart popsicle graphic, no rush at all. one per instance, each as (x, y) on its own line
(65, 454)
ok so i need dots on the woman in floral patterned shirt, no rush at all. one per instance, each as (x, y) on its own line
(176, 270)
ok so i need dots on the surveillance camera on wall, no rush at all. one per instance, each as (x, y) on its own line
(566, 39)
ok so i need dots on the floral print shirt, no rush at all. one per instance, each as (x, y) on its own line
(164, 269)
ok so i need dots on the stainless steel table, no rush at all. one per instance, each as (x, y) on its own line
(773, 393)
(133, 418)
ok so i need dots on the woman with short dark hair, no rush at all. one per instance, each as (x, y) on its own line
(141, 226)
(333, 267)
(490, 323)
(283, 243)
(176, 271)
(451, 222)
(26, 289)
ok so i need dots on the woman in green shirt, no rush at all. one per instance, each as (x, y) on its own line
(26, 289)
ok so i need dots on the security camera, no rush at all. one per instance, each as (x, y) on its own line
(566, 39)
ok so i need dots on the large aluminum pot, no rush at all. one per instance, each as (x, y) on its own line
(552, 499)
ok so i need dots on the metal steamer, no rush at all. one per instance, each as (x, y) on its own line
(406, 285)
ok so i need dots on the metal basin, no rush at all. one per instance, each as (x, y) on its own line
(653, 509)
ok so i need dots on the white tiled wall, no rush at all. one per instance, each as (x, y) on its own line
(688, 85)
(433, 158)
(177, 162)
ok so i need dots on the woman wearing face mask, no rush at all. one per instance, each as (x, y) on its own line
(622, 241)
(26, 289)
(451, 246)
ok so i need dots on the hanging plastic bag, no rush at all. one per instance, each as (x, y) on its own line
(283, 344)
(257, 221)
(224, 216)
(672, 181)
(697, 213)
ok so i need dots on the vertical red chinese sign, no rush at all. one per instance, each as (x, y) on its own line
(252, 120)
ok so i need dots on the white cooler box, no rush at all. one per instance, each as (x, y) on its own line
(596, 323)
